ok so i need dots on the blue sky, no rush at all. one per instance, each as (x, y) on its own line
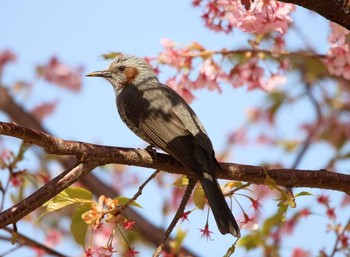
(78, 32)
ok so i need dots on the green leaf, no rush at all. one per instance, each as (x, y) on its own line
(124, 200)
(24, 147)
(251, 241)
(110, 55)
(271, 183)
(313, 68)
(178, 240)
(199, 197)
(181, 182)
(78, 227)
(302, 194)
(69, 196)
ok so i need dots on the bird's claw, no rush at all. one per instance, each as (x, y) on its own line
(151, 150)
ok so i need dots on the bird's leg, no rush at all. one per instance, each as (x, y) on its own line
(151, 150)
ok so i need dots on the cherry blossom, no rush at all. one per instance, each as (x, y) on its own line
(206, 233)
(248, 73)
(60, 74)
(338, 56)
(128, 224)
(105, 251)
(298, 252)
(174, 57)
(44, 109)
(184, 215)
(273, 82)
(131, 252)
(6, 57)
(182, 86)
(209, 75)
(259, 16)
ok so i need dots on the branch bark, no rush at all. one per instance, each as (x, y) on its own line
(337, 11)
(102, 155)
(91, 156)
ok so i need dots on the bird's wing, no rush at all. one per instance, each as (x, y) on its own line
(171, 135)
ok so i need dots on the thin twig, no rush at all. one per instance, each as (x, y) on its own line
(139, 191)
(335, 249)
(307, 142)
(179, 212)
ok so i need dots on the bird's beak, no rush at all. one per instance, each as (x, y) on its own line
(102, 73)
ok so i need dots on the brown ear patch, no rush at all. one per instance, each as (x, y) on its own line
(130, 74)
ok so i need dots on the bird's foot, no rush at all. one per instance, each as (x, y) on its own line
(151, 150)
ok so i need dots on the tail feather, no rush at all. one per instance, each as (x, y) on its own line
(222, 213)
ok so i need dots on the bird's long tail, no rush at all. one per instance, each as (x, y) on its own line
(222, 213)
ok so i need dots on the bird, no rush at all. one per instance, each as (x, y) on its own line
(160, 116)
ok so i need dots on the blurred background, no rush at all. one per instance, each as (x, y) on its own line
(79, 32)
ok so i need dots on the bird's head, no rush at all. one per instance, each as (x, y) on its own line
(124, 70)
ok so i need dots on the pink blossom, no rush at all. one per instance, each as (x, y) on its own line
(131, 252)
(39, 251)
(249, 222)
(239, 136)
(176, 58)
(43, 110)
(249, 73)
(338, 34)
(305, 212)
(184, 215)
(209, 75)
(251, 16)
(167, 43)
(278, 44)
(345, 201)
(16, 179)
(128, 224)
(89, 252)
(323, 199)
(264, 139)
(253, 114)
(274, 81)
(6, 57)
(331, 213)
(53, 238)
(206, 233)
(344, 240)
(105, 251)
(338, 56)
(298, 252)
(256, 205)
(182, 87)
(62, 75)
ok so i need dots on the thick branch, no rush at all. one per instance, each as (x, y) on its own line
(334, 10)
(101, 155)
(45, 193)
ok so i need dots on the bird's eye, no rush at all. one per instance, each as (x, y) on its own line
(121, 68)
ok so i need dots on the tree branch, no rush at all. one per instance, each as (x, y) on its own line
(334, 10)
(45, 193)
(93, 155)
